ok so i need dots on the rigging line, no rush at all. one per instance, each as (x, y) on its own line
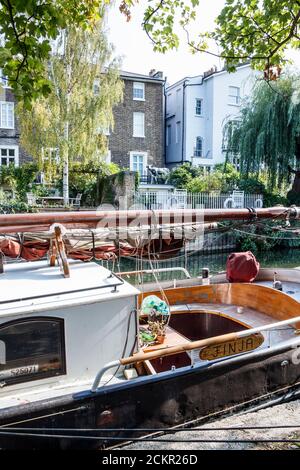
(248, 403)
(145, 439)
(165, 430)
(258, 235)
(82, 407)
(160, 287)
(206, 245)
(124, 349)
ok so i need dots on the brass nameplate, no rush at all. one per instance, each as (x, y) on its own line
(230, 348)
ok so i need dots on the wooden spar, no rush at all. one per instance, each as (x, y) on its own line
(10, 223)
(180, 348)
(203, 343)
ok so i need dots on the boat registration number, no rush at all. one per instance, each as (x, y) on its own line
(230, 348)
(18, 371)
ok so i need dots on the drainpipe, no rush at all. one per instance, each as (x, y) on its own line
(164, 122)
(183, 119)
(185, 85)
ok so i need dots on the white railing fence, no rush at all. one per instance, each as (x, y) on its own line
(181, 199)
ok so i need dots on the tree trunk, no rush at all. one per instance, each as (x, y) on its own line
(66, 139)
(66, 166)
(294, 194)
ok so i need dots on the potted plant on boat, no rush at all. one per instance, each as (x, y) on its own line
(158, 329)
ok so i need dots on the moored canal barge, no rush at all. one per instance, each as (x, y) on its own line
(74, 373)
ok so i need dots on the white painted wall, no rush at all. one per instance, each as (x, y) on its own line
(214, 90)
(174, 114)
(244, 78)
(95, 321)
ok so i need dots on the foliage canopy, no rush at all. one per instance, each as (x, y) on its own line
(74, 118)
(267, 135)
(27, 28)
(259, 31)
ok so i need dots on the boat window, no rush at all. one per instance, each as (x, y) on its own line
(31, 349)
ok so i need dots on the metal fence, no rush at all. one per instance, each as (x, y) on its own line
(181, 199)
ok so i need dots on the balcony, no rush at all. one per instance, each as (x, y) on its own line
(149, 181)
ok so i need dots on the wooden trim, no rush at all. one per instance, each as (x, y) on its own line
(276, 304)
(188, 346)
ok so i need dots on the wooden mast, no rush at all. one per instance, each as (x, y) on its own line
(11, 223)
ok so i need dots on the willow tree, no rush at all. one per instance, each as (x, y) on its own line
(74, 117)
(266, 137)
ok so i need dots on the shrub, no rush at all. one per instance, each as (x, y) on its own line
(12, 206)
(87, 179)
(19, 179)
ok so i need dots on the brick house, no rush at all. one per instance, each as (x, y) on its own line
(137, 139)
(10, 151)
(138, 136)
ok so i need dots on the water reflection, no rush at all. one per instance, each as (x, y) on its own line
(215, 262)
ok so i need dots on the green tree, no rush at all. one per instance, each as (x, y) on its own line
(74, 117)
(255, 30)
(259, 31)
(267, 137)
(27, 28)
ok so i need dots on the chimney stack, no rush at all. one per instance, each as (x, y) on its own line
(153, 73)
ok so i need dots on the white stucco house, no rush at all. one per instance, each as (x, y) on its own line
(197, 109)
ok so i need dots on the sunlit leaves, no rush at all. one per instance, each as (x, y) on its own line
(265, 136)
(161, 19)
(259, 31)
(27, 27)
(72, 72)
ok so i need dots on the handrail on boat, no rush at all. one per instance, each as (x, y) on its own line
(168, 351)
(157, 270)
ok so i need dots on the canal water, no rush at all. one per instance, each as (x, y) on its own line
(215, 262)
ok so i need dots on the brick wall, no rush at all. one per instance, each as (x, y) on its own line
(11, 137)
(121, 140)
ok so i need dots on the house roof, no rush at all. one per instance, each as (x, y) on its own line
(206, 77)
(139, 76)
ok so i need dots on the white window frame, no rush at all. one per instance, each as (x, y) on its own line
(51, 149)
(13, 114)
(103, 130)
(108, 157)
(177, 132)
(3, 80)
(202, 145)
(236, 98)
(96, 87)
(201, 101)
(135, 133)
(9, 147)
(138, 153)
(138, 86)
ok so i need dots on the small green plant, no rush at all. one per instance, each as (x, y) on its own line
(19, 179)
(12, 206)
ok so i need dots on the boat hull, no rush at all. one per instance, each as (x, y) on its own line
(154, 402)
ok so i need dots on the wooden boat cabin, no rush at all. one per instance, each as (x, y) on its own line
(55, 333)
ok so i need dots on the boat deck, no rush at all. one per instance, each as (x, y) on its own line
(290, 288)
(246, 316)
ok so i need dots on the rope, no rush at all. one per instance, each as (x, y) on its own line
(144, 439)
(166, 430)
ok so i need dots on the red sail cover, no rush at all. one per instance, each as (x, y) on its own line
(242, 267)
(32, 250)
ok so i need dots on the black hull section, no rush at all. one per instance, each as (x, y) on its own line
(160, 401)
